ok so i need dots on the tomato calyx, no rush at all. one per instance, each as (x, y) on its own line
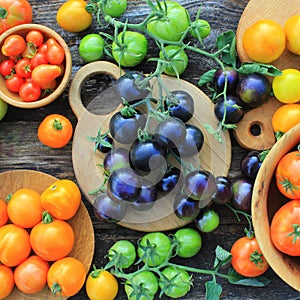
(56, 289)
(3, 13)
(256, 257)
(288, 186)
(57, 125)
(296, 233)
(46, 218)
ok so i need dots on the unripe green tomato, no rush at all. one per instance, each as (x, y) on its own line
(208, 221)
(3, 109)
(91, 47)
(201, 28)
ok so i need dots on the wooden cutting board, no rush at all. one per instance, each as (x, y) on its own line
(214, 156)
(261, 117)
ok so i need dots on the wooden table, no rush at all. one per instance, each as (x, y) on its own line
(20, 148)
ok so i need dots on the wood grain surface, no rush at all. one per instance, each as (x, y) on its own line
(20, 148)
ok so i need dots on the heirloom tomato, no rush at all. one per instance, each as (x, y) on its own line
(7, 281)
(55, 52)
(45, 73)
(207, 221)
(73, 17)
(61, 199)
(292, 28)
(66, 277)
(101, 285)
(130, 48)
(3, 212)
(247, 258)
(285, 228)
(91, 47)
(264, 41)
(114, 8)
(55, 131)
(172, 22)
(31, 275)
(287, 175)
(13, 13)
(14, 245)
(13, 45)
(24, 208)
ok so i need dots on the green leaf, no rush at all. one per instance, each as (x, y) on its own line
(222, 256)
(226, 41)
(213, 290)
(207, 77)
(264, 69)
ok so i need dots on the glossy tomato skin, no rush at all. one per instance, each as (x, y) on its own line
(172, 181)
(45, 73)
(124, 248)
(291, 28)
(3, 212)
(30, 91)
(242, 194)
(7, 67)
(23, 67)
(115, 8)
(200, 29)
(102, 147)
(250, 164)
(35, 37)
(116, 158)
(220, 77)
(247, 258)
(223, 193)
(185, 208)
(14, 82)
(287, 175)
(207, 220)
(13, 45)
(285, 228)
(91, 47)
(7, 281)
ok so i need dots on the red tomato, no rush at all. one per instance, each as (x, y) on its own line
(30, 91)
(247, 258)
(13, 45)
(55, 52)
(23, 67)
(45, 73)
(35, 37)
(38, 59)
(7, 67)
(14, 82)
(7, 281)
(43, 49)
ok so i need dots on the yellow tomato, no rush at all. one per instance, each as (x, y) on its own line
(292, 29)
(73, 17)
(264, 41)
(286, 117)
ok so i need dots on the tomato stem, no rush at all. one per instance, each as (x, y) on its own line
(295, 233)
(3, 13)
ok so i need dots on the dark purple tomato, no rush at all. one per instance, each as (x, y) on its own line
(200, 185)
(254, 89)
(232, 77)
(125, 129)
(171, 181)
(180, 105)
(147, 196)
(223, 193)
(130, 87)
(147, 156)
(250, 164)
(186, 208)
(123, 185)
(170, 132)
(106, 144)
(208, 220)
(192, 143)
(105, 209)
(242, 194)
(234, 109)
(116, 158)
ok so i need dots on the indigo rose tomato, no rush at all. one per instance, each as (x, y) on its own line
(242, 194)
(116, 158)
(223, 192)
(124, 252)
(221, 76)
(185, 208)
(207, 221)
(250, 164)
(172, 181)
(91, 47)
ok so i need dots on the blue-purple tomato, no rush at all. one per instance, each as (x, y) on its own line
(116, 158)
(185, 208)
(242, 194)
(250, 164)
(223, 194)
(208, 220)
(220, 77)
(171, 181)
(105, 144)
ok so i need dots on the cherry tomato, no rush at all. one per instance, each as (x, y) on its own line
(291, 29)
(91, 47)
(7, 281)
(264, 41)
(247, 258)
(14, 12)
(3, 212)
(24, 208)
(124, 252)
(43, 49)
(29, 51)
(61, 199)
(73, 17)
(7, 67)
(45, 73)
(286, 87)
(31, 275)
(286, 174)
(114, 8)
(23, 67)
(285, 228)
(55, 131)
(50, 86)
(38, 59)
(208, 220)
(14, 245)
(55, 52)
(200, 29)
(66, 277)
(52, 239)
(13, 45)
(14, 82)
(30, 91)
(101, 285)
(35, 37)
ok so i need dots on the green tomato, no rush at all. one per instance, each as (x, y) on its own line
(3, 109)
(142, 286)
(173, 22)
(124, 252)
(189, 242)
(130, 48)
(208, 221)
(91, 47)
(200, 29)
(176, 60)
(114, 8)
(159, 246)
(175, 282)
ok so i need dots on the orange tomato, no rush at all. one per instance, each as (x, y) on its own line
(24, 208)
(66, 276)
(55, 131)
(14, 245)
(3, 212)
(264, 41)
(292, 29)
(61, 199)
(31, 275)
(52, 239)
(7, 281)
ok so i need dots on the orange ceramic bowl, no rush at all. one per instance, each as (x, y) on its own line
(14, 98)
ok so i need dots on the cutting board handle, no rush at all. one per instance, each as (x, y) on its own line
(88, 70)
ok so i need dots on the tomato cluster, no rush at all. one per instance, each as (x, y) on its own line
(36, 240)
(33, 64)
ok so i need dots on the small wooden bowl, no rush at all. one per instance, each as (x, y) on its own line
(83, 229)
(266, 200)
(13, 98)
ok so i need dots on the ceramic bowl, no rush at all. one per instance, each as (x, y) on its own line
(266, 200)
(14, 98)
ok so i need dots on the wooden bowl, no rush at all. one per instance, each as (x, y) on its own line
(81, 223)
(266, 200)
(14, 98)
